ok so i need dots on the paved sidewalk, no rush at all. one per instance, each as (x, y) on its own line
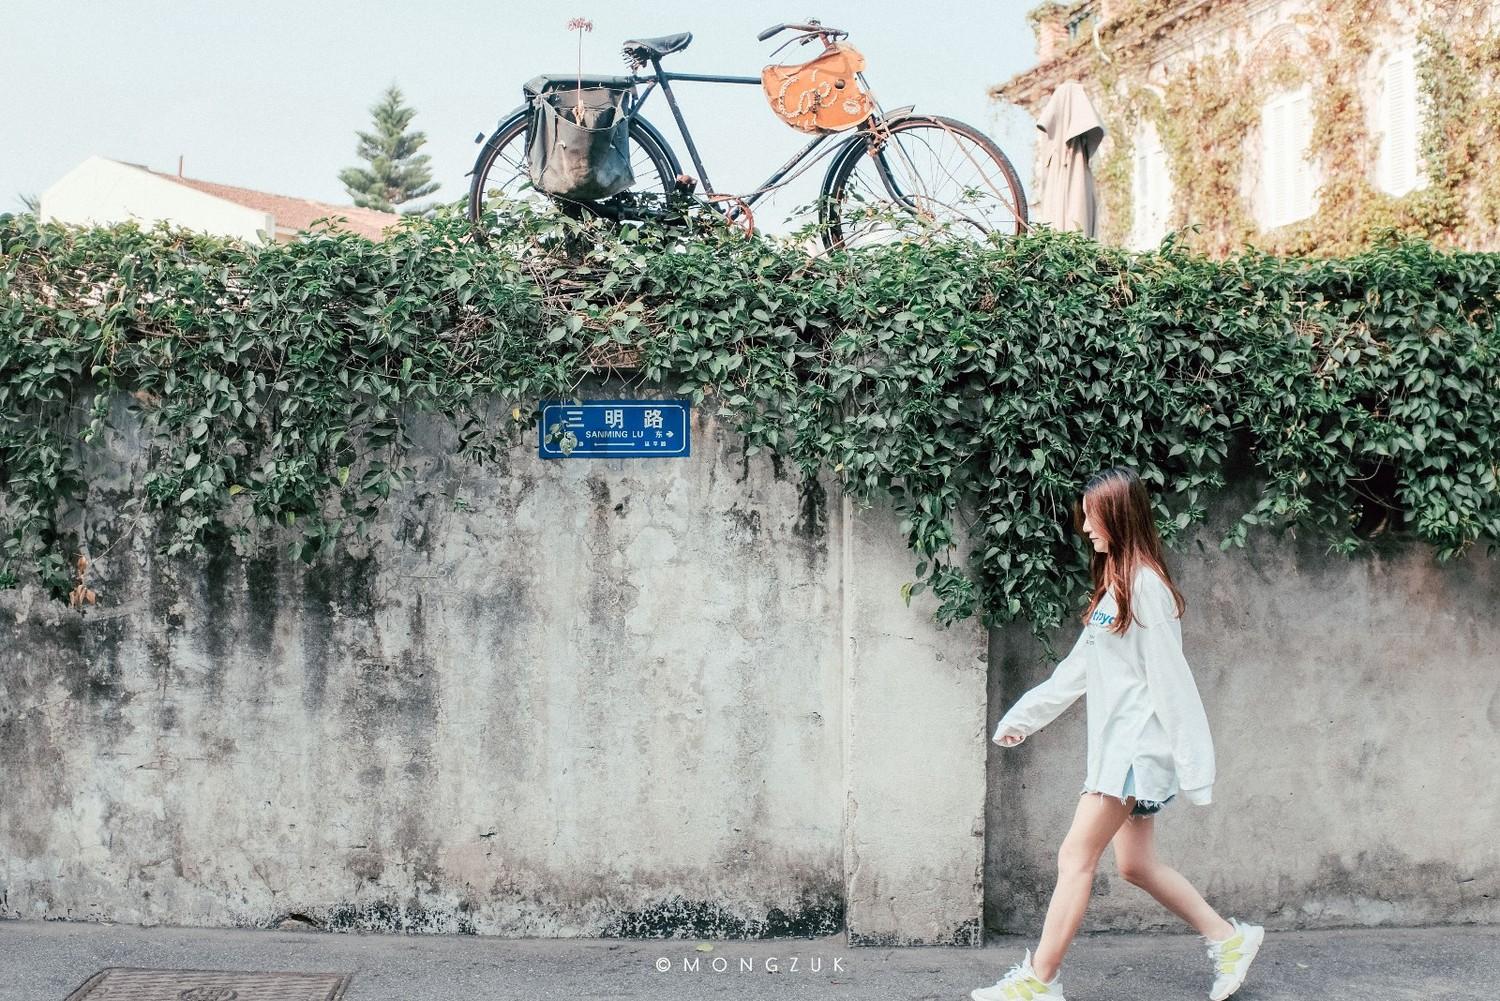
(44, 961)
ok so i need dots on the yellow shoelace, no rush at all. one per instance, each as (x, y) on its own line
(1227, 952)
(1026, 989)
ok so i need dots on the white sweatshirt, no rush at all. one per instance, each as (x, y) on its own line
(1143, 707)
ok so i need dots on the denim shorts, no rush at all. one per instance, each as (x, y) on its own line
(1141, 809)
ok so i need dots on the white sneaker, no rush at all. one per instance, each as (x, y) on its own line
(1232, 958)
(1021, 983)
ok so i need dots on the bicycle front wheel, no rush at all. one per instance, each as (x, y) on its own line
(920, 173)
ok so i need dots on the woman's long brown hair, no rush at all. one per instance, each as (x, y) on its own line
(1118, 505)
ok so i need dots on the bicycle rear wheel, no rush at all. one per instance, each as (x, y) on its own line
(500, 172)
(932, 171)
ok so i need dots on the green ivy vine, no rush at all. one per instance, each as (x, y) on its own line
(1209, 109)
(975, 386)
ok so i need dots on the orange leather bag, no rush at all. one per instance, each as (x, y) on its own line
(822, 95)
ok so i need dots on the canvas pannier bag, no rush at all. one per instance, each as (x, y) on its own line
(822, 95)
(579, 144)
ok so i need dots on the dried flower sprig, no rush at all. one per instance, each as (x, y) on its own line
(580, 25)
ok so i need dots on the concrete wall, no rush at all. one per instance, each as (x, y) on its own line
(599, 697)
(1355, 709)
(912, 727)
(683, 697)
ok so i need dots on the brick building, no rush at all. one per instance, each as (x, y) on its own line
(1298, 126)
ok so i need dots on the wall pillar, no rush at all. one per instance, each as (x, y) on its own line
(914, 751)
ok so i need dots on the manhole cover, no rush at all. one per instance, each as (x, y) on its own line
(126, 984)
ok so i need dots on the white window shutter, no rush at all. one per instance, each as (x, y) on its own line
(1286, 151)
(1414, 117)
(1273, 172)
(1151, 188)
(1161, 189)
(1267, 166)
(1383, 168)
(1139, 194)
(1301, 152)
(1399, 124)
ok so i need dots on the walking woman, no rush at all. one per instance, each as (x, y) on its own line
(1148, 740)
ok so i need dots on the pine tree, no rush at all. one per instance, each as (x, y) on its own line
(396, 172)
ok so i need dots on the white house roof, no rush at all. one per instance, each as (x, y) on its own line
(291, 213)
(104, 191)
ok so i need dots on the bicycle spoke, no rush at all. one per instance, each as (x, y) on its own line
(940, 176)
(641, 165)
(988, 177)
(507, 177)
(924, 184)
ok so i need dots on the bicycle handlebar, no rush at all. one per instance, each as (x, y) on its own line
(811, 26)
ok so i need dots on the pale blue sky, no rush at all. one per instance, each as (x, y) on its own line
(268, 94)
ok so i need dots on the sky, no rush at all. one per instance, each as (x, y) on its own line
(268, 94)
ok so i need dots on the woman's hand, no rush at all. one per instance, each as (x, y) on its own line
(1009, 739)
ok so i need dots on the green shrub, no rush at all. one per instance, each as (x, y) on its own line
(975, 385)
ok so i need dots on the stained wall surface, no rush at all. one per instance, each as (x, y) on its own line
(602, 697)
(1355, 710)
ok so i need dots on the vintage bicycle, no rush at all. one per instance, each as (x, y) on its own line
(929, 169)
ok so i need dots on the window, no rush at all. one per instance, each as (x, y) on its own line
(1286, 174)
(1399, 123)
(1081, 24)
(1151, 190)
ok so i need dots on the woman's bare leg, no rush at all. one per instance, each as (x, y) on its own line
(1135, 856)
(1094, 823)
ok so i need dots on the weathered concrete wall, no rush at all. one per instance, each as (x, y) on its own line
(581, 697)
(663, 697)
(1355, 709)
(914, 858)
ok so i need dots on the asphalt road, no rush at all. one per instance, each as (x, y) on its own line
(46, 961)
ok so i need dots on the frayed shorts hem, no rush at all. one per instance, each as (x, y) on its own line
(1143, 807)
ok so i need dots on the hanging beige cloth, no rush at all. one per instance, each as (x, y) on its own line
(1073, 132)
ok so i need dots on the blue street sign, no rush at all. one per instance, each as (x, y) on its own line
(617, 428)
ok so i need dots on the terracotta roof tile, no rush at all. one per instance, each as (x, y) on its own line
(292, 213)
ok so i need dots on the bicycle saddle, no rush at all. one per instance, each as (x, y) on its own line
(644, 49)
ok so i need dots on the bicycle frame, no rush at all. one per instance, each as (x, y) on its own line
(874, 136)
(664, 78)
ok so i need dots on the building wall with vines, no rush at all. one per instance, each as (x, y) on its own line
(1201, 71)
